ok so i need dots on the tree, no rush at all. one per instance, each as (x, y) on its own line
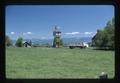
(105, 38)
(58, 42)
(8, 41)
(19, 42)
(110, 30)
(61, 42)
(97, 39)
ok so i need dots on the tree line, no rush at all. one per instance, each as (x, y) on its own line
(8, 41)
(104, 39)
(19, 42)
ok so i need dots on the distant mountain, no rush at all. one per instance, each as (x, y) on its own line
(77, 40)
(66, 40)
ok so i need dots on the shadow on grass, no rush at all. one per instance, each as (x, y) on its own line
(103, 48)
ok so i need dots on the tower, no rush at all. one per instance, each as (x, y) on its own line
(56, 34)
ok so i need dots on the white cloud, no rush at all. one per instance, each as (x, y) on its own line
(12, 33)
(27, 33)
(72, 33)
(88, 33)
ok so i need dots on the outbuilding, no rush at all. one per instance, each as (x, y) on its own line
(26, 44)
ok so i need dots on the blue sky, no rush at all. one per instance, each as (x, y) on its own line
(38, 21)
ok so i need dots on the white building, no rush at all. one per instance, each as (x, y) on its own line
(85, 44)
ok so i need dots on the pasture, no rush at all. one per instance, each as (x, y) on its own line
(48, 63)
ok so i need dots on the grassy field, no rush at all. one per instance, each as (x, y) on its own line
(58, 63)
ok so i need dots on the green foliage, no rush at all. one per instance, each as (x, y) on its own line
(61, 42)
(89, 44)
(19, 42)
(105, 38)
(8, 41)
(58, 41)
(45, 63)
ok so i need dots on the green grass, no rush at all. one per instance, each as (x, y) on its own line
(58, 63)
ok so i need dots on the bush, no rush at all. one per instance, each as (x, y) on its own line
(19, 42)
(58, 42)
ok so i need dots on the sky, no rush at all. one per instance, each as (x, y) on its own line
(39, 21)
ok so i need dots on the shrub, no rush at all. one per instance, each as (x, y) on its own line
(19, 42)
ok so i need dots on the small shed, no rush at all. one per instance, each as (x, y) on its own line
(26, 44)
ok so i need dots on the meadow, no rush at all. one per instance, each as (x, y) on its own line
(50, 63)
